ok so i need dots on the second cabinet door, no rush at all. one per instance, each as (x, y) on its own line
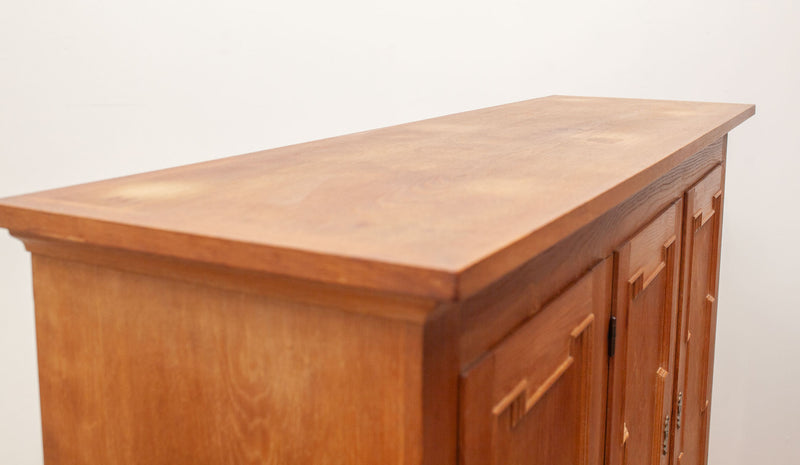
(646, 302)
(539, 397)
(698, 320)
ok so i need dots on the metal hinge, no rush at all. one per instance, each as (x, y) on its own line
(612, 336)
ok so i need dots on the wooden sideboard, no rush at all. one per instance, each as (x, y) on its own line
(533, 283)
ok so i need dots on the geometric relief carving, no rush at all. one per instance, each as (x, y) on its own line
(638, 283)
(700, 219)
(519, 401)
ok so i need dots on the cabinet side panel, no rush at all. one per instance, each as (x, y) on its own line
(137, 369)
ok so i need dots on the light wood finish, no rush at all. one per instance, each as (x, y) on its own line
(440, 208)
(434, 293)
(703, 228)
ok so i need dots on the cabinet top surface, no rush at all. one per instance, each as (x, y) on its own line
(408, 208)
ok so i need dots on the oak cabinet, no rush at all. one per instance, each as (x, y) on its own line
(531, 284)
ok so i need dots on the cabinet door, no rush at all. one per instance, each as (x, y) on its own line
(646, 302)
(698, 319)
(539, 397)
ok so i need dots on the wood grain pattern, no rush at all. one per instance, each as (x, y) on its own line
(435, 293)
(438, 208)
(489, 315)
(539, 397)
(697, 328)
(642, 371)
(136, 369)
(395, 306)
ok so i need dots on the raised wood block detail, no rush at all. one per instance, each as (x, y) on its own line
(515, 402)
(638, 283)
(519, 402)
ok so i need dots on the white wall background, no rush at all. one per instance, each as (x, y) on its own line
(92, 89)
